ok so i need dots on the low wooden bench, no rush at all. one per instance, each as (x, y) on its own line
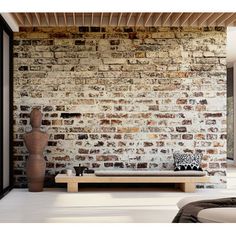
(186, 183)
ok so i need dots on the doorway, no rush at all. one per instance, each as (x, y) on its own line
(6, 108)
(231, 96)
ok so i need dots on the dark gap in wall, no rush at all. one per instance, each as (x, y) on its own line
(70, 115)
(230, 81)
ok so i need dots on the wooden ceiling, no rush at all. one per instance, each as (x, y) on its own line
(125, 19)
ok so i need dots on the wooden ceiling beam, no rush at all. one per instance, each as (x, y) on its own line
(128, 18)
(65, 18)
(56, 19)
(174, 18)
(82, 19)
(158, 16)
(147, 19)
(20, 18)
(74, 19)
(101, 19)
(194, 18)
(92, 19)
(223, 18)
(231, 20)
(138, 19)
(29, 18)
(38, 18)
(110, 18)
(184, 18)
(204, 18)
(165, 17)
(214, 18)
(119, 19)
(47, 18)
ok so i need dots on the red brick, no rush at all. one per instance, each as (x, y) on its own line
(207, 115)
(200, 136)
(107, 158)
(212, 151)
(104, 122)
(165, 115)
(181, 101)
(128, 130)
(116, 122)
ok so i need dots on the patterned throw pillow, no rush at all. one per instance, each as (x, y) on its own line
(187, 161)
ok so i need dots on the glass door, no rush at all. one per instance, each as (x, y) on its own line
(6, 123)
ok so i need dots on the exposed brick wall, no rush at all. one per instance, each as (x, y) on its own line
(122, 97)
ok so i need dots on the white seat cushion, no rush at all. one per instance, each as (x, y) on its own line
(149, 173)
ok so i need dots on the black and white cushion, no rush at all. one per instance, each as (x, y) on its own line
(187, 161)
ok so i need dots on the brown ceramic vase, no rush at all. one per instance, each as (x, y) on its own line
(35, 142)
(35, 171)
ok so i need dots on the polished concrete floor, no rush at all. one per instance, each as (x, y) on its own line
(100, 205)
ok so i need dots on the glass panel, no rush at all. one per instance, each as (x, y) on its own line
(230, 114)
(6, 105)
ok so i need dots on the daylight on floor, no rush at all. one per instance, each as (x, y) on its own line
(117, 117)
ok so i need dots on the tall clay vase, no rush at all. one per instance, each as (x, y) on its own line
(35, 171)
(35, 142)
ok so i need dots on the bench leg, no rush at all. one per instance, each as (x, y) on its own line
(188, 187)
(72, 187)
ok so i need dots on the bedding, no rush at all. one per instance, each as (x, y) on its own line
(189, 213)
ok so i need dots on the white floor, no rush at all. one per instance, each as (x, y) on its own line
(100, 205)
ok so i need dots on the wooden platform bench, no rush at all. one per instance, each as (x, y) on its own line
(186, 182)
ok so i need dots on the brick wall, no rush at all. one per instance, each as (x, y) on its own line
(122, 97)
